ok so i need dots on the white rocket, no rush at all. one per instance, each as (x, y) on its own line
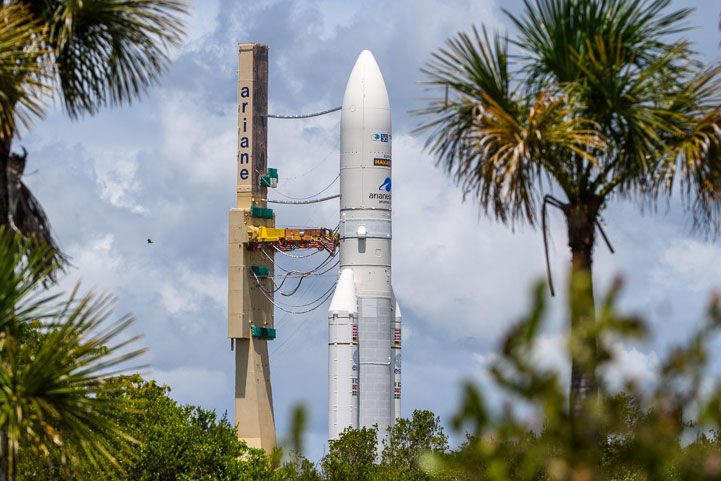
(364, 320)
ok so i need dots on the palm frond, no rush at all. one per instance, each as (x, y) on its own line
(23, 267)
(636, 109)
(496, 145)
(27, 217)
(551, 31)
(108, 52)
(512, 154)
(701, 166)
(470, 64)
(33, 223)
(695, 152)
(57, 394)
(24, 71)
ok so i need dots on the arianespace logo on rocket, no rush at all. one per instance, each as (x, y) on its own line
(384, 196)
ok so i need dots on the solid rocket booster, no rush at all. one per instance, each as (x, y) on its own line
(364, 320)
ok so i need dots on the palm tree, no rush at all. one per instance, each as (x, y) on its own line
(600, 100)
(55, 358)
(90, 54)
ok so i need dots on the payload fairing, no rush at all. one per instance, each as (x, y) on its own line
(364, 320)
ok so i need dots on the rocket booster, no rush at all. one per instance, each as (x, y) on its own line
(364, 320)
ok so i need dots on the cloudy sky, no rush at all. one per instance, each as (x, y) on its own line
(164, 169)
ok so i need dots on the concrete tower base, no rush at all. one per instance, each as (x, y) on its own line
(253, 394)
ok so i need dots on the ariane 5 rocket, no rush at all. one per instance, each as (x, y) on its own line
(364, 320)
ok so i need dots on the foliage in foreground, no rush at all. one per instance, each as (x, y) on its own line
(175, 442)
(355, 454)
(56, 353)
(669, 431)
(184, 442)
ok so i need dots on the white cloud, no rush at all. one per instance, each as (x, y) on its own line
(116, 176)
(202, 21)
(631, 365)
(187, 291)
(551, 352)
(686, 263)
(96, 261)
(200, 144)
(176, 301)
(206, 285)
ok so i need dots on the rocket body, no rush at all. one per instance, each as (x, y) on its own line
(364, 361)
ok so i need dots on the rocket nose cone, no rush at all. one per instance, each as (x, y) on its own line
(365, 85)
(366, 56)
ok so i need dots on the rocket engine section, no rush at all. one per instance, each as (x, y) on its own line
(364, 358)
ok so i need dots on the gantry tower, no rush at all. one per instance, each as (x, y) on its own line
(253, 241)
(250, 312)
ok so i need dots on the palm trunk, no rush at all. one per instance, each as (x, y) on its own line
(4, 205)
(5, 145)
(4, 457)
(581, 222)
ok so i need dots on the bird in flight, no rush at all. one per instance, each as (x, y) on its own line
(149, 241)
